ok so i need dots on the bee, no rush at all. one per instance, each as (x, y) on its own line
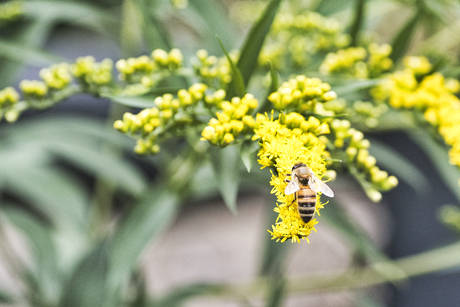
(305, 184)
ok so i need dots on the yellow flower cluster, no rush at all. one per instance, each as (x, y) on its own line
(363, 112)
(297, 35)
(234, 120)
(432, 94)
(95, 78)
(10, 11)
(33, 89)
(301, 94)
(281, 147)
(92, 74)
(57, 76)
(358, 159)
(8, 99)
(168, 115)
(357, 62)
(213, 71)
(139, 70)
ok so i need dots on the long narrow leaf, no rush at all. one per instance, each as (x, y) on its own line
(131, 32)
(154, 31)
(277, 291)
(225, 165)
(440, 159)
(330, 7)
(40, 238)
(216, 20)
(248, 153)
(255, 40)
(357, 22)
(20, 52)
(177, 297)
(145, 222)
(401, 167)
(88, 284)
(51, 192)
(237, 86)
(82, 14)
(402, 40)
(132, 101)
(274, 85)
(6, 298)
(96, 162)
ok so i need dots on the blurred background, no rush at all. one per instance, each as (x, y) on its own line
(58, 165)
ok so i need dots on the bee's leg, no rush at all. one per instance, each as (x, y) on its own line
(295, 198)
(287, 180)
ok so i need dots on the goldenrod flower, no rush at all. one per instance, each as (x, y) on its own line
(280, 148)
(358, 62)
(232, 121)
(433, 95)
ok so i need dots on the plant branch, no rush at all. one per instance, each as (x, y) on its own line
(354, 278)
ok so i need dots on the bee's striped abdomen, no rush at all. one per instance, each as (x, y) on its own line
(306, 202)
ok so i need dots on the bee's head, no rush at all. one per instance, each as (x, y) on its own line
(298, 164)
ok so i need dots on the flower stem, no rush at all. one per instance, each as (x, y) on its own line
(354, 278)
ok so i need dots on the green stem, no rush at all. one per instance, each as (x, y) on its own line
(104, 189)
(358, 22)
(354, 278)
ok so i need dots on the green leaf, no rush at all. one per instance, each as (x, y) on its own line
(248, 153)
(330, 7)
(439, 156)
(237, 86)
(354, 86)
(143, 101)
(51, 192)
(274, 85)
(146, 220)
(255, 40)
(226, 171)
(216, 22)
(24, 53)
(402, 40)
(88, 283)
(132, 101)
(78, 141)
(102, 163)
(154, 31)
(82, 14)
(357, 22)
(39, 237)
(6, 298)
(401, 167)
(178, 296)
(131, 32)
(276, 292)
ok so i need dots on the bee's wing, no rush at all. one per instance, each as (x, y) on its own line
(318, 186)
(292, 187)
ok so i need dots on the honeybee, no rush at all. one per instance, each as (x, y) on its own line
(305, 184)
